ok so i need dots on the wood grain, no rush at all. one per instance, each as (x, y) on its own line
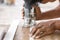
(55, 36)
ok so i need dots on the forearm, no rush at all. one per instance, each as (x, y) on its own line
(49, 14)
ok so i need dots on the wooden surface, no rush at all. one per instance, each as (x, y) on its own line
(55, 36)
(23, 34)
(19, 34)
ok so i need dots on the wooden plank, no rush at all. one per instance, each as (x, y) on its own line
(11, 32)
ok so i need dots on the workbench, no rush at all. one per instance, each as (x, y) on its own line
(22, 33)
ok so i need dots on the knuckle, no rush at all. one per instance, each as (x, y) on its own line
(38, 30)
(34, 28)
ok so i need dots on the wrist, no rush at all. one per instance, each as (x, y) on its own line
(53, 24)
(57, 24)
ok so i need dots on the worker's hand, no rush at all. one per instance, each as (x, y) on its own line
(37, 12)
(43, 29)
(23, 13)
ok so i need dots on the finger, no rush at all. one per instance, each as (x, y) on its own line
(40, 35)
(36, 33)
(33, 31)
(23, 12)
(39, 26)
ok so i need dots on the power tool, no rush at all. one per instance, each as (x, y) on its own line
(29, 18)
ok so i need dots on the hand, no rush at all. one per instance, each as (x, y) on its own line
(37, 12)
(23, 13)
(43, 29)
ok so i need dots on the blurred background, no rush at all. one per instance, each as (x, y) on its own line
(12, 9)
(9, 11)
